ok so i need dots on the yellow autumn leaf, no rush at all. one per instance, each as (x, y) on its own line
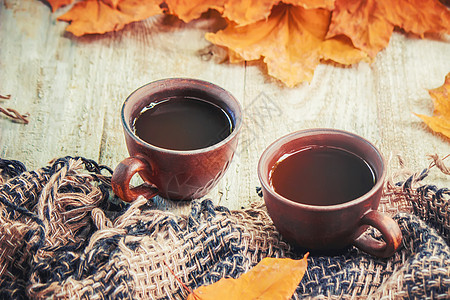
(241, 12)
(255, 10)
(97, 16)
(363, 22)
(244, 12)
(290, 42)
(440, 121)
(291, 36)
(418, 16)
(271, 279)
(370, 23)
(311, 4)
(340, 49)
(112, 3)
(188, 10)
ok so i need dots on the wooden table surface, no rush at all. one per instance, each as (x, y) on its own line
(73, 89)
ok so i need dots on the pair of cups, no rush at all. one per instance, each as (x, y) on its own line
(191, 174)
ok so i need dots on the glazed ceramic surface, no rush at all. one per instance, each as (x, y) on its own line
(174, 174)
(331, 227)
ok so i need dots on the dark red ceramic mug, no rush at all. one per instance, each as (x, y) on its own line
(329, 228)
(174, 174)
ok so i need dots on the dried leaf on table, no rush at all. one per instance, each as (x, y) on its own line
(418, 16)
(188, 10)
(271, 278)
(112, 3)
(440, 121)
(340, 49)
(291, 42)
(100, 16)
(310, 4)
(363, 22)
(241, 12)
(251, 11)
(292, 36)
(370, 23)
(248, 11)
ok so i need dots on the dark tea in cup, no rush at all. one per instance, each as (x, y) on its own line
(322, 175)
(183, 123)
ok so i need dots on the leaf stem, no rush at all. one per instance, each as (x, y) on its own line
(12, 113)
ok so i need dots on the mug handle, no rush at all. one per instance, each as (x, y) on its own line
(390, 231)
(122, 175)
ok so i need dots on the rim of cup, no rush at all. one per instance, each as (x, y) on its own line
(237, 120)
(270, 151)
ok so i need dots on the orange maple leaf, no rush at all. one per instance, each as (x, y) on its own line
(250, 11)
(418, 16)
(370, 23)
(112, 3)
(311, 4)
(55, 4)
(291, 36)
(241, 12)
(98, 16)
(188, 10)
(440, 121)
(291, 42)
(363, 22)
(271, 278)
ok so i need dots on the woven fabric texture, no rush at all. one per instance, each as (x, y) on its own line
(63, 234)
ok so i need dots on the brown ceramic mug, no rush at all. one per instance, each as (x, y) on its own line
(174, 174)
(329, 228)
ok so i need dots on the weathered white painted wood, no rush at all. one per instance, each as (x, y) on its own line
(74, 87)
